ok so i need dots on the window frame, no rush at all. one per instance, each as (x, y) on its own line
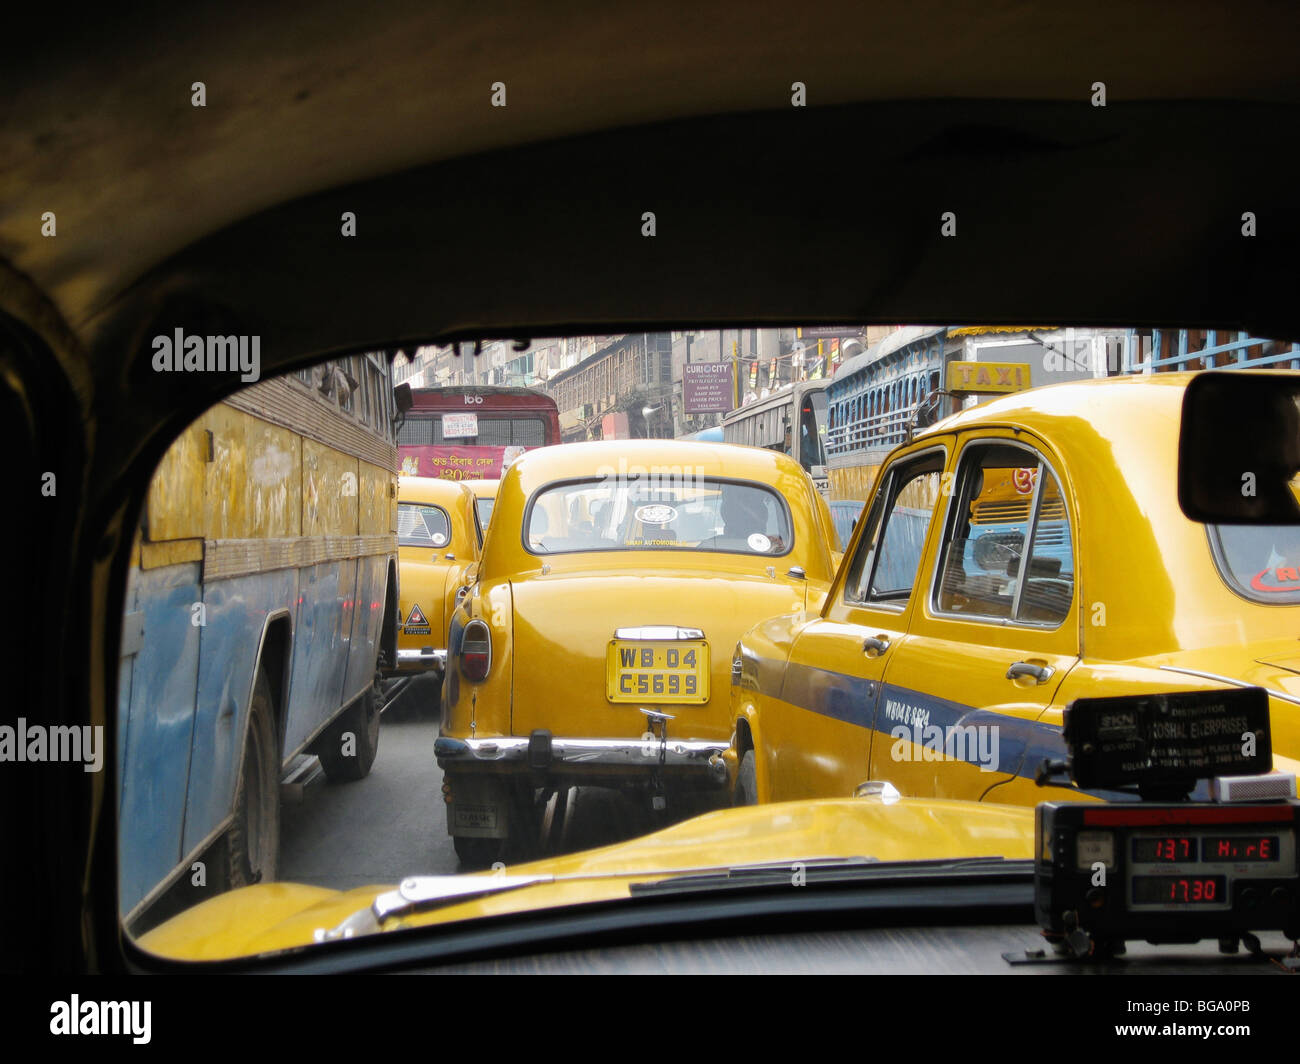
(451, 528)
(958, 482)
(872, 512)
(782, 501)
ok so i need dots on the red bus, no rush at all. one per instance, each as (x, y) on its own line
(472, 432)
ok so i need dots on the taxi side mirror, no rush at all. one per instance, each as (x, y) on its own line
(1239, 449)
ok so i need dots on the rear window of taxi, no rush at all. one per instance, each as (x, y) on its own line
(422, 525)
(1259, 562)
(696, 514)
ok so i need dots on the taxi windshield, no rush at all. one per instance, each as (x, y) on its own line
(340, 711)
(702, 514)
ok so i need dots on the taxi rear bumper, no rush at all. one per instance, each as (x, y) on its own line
(570, 756)
(426, 658)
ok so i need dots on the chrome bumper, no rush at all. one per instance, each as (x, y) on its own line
(705, 757)
(436, 659)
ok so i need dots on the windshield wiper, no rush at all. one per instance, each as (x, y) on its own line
(855, 870)
(418, 893)
(422, 893)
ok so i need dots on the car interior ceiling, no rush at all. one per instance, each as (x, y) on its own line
(529, 223)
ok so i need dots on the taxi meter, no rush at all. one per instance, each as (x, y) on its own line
(1159, 867)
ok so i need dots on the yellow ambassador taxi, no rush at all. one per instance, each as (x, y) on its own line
(1014, 557)
(438, 538)
(595, 645)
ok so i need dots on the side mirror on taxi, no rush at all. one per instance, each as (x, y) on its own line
(1239, 448)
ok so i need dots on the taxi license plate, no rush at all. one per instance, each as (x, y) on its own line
(657, 671)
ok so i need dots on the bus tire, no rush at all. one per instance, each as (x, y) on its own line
(746, 792)
(253, 842)
(361, 719)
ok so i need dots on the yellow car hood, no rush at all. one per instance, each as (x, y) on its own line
(276, 916)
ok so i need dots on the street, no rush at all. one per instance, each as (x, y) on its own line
(393, 824)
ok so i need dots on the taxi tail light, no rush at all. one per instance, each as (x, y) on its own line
(476, 651)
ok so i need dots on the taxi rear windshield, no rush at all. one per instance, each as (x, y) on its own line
(420, 525)
(1259, 562)
(698, 514)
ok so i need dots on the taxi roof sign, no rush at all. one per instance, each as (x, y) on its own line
(987, 378)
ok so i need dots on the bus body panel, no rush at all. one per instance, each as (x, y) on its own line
(156, 731)
(229, 643)
(319, 658)
(367, 622)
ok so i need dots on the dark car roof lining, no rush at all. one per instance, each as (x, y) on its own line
(1064, 213)
(479, 223)
(306, 97)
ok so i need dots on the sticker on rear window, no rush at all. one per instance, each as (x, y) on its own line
(656, 514)
(759, 542)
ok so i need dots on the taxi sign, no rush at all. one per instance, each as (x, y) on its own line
(987, 378)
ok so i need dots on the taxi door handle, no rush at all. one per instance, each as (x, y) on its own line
(878, 643)
(1041, 673)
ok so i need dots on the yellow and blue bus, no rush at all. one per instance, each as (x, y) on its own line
(261, 606)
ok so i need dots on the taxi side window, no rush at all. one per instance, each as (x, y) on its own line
(888, 557)
(1006, 498)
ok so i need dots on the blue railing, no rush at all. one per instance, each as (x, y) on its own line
(1140, 351)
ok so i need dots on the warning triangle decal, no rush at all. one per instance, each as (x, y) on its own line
(416, 617)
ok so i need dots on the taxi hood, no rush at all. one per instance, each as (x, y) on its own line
(276, 916)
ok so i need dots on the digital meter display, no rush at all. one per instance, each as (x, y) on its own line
(1171, 849)
(1166, 869)
(1179, 890)
(1167, 872)
(1241, 848)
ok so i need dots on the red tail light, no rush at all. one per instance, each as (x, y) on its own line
(476, 651)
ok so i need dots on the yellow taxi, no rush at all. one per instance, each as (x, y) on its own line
(438, 538)
(595, 644)
(1012, 558)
